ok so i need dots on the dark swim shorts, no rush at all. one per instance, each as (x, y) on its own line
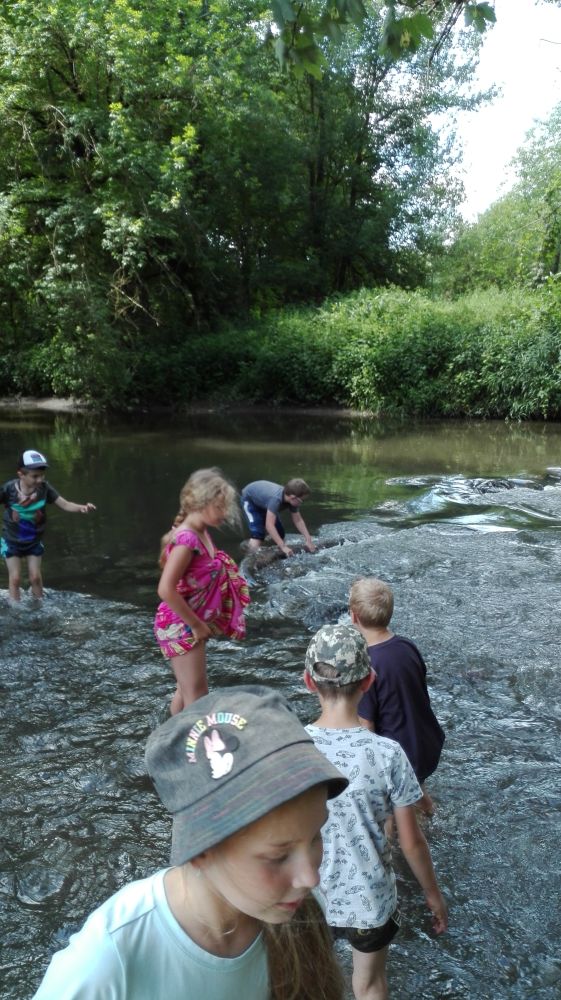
(255, 517)
(369, 939)
(10, 549)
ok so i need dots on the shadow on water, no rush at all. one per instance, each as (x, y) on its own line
(474, 557)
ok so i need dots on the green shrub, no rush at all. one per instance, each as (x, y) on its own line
(492, 353)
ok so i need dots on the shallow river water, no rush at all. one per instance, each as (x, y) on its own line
(463, 520)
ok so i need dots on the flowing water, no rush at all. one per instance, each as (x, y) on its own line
(463, 520)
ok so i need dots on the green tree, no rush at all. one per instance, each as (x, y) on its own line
(160, 171)
(538, 165)
(518, 239)
(101, 233)
(376, 168)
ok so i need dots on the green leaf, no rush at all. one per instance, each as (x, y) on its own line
(487, 12)
(313, 70)
(305, 42)
(421, 24)
(283, 12)
(479, 16)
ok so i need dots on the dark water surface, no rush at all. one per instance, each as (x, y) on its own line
(463, 520)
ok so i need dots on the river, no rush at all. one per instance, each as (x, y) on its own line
(464, 520)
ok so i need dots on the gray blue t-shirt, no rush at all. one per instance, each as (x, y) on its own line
(267, 496)
(357, 881)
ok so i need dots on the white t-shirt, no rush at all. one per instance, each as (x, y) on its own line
(357, 879)
(132, 948)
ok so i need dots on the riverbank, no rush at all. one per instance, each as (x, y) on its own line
(54, 405)
(51, 403)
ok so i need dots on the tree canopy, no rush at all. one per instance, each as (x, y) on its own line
(160, 170)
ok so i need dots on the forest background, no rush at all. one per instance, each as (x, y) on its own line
(236, 201)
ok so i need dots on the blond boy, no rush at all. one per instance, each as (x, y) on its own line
(398, 705)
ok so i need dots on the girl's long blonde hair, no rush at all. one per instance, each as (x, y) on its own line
(302, 962)
(203, 487)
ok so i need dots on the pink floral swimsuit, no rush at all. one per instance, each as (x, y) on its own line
(213, 589)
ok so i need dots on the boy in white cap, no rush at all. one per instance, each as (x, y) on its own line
(358, 886)
(25, 500)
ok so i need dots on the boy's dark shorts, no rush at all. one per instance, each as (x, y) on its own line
(10, 549)
(369, 939)
(255, 517)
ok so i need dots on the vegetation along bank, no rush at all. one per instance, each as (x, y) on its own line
(489, 353)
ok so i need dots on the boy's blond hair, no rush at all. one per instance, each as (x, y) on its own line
(372, 602)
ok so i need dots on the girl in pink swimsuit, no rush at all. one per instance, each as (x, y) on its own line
(202, 592)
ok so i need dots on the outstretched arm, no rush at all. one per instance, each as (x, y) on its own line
(300, 525)
(74, 508)
(416, 850)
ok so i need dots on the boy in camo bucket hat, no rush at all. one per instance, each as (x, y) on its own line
(357, 881)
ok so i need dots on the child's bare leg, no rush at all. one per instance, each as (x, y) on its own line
(254, 544)
(369, 975)
(190, 674)
(35, 578)
(425, 805)
(14, 577)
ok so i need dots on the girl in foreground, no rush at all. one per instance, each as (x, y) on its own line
(233, 918)
(201, 590)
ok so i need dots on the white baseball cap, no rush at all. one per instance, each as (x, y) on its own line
(32, 460)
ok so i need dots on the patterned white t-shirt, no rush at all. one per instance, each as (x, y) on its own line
(357, 878)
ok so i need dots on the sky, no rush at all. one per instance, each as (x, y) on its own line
(520, 55)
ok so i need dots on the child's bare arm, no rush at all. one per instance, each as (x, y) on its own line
(270, 528)
(417, 854)
(300, 525)
(74, 508)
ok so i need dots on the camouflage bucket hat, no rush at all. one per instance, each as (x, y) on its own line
(342, 647)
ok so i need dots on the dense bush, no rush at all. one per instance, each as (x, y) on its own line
(488, 354)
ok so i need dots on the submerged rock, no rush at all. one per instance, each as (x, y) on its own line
(254, 562)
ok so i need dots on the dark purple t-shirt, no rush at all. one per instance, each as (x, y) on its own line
(398, 703)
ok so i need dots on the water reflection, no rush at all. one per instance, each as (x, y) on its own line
(82, 683)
